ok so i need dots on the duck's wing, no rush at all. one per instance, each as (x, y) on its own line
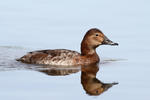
(50, 57)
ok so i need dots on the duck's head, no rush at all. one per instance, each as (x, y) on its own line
(93, 38)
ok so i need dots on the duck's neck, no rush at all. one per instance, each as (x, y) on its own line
(87, 50)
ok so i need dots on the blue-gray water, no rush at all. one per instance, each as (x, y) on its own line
(27, 25)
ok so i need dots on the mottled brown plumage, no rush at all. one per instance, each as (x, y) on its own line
(92, 39)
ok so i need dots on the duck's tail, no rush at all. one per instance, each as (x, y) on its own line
(18, 59)
(25, 58)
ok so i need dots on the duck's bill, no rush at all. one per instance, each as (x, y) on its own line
(109, 42)
(108, 85)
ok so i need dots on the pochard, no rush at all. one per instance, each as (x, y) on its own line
(63, 57)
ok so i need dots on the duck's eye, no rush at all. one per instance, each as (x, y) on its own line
(97, 92)
(96, 34)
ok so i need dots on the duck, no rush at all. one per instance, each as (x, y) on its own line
(63, 57)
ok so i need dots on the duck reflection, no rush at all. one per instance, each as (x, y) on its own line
(59, 71)
(90, 83)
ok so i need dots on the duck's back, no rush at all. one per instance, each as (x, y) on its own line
(51, 57)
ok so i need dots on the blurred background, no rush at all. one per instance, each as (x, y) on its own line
(51, 24)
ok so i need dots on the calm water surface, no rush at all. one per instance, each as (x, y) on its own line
(29, 25)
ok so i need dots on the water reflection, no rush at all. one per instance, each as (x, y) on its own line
(56, 71)
(91, 84)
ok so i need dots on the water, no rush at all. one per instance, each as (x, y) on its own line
(29, 25)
